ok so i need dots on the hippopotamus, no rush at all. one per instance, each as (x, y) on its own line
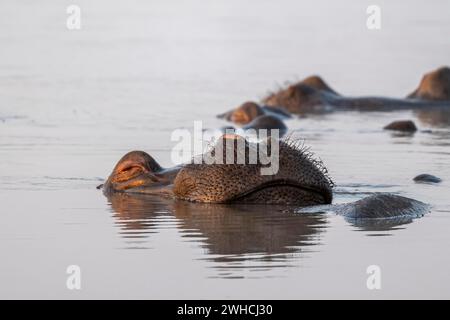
(265, 122)
(251, 116)
(314, 95)
(298, 180)
(249, 111)
(377, 206)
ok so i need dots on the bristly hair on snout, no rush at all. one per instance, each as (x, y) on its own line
(296, 145)
(299, 146)
(292, 174)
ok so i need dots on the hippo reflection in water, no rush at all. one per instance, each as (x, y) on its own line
(300, 180)
(226, 230)
(233, 235)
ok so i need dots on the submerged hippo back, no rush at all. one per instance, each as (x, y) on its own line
(383, 206)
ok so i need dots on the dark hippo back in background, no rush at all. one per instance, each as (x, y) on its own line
(314, 95)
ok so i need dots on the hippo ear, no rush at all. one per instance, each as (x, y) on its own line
(318, 83)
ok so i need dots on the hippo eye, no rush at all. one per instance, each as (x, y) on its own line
(131, 168)
(128, 172)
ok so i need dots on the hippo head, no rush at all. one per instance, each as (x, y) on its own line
(243, 114)
(138, 172)
(318, 83)
(246, 112)
(298, 180)
(297, 98)
(434, 85)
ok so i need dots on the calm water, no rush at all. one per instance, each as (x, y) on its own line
(73, 102)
